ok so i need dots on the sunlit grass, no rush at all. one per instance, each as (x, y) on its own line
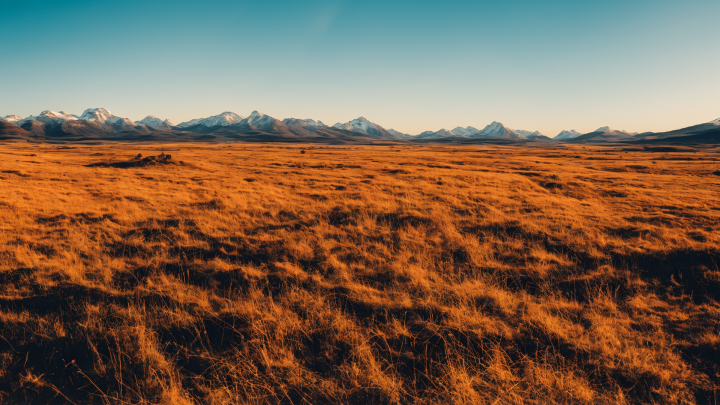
(352, 274)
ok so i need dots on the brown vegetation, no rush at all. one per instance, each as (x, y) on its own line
(383, 274)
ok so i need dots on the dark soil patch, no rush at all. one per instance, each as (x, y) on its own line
(15, 172)
(612, 193)
(551, 185)
(138, 161)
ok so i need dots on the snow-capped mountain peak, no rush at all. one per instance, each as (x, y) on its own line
(716, 122)
(468, 131)
(11, 118)
(494, 126)
(567, 134)
(397, 133)
(263, 122)
(362, 125)
(607, 130)
(224, 119)
(91, 115)
(58, 115)
(257, 118)
(104, 117)
(155, 122)
(96, 114)
(303, 122)
(497, 129)
(50, 118)
(527, 134)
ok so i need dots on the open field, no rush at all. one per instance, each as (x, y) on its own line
(359, 274)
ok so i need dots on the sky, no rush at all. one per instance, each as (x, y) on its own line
(635, 65)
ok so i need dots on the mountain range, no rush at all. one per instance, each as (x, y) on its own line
(99, 124)
(224, 119)
(494, 130)
(155, 122)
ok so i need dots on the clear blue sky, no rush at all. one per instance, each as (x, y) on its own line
(638, 65)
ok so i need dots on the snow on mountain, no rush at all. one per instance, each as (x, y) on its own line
(224, 119)
(567, 134)
(493, 130)
(442, 133)
(468, 131)
(427, 134)
(104, 117)
(263, 122)
(303, 122)
(362, 125)
(155, 122)
(50, 118)
(496, 129)
(98, 115)
(527, 134)
(610, 131)
(256, 119)
(602, 134)
(397, 133)
(13, 119)
(459, 131)
(716, 122)
(190, 123)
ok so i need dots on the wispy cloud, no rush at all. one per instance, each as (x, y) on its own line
(324, 17)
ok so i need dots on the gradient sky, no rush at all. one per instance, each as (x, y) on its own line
(637, 65)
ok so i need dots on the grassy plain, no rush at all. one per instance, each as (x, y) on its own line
(359, 274)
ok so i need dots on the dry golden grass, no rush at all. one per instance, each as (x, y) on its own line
(380, 274)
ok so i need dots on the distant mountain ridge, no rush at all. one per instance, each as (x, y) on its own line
(155, 122)
(364, 126)
(11, 118)
(467, 131)
(527, 134)
(494, 129)
(49, 118)
(223, 119)
(101, 124)
(92, 123)
(707, 133)
(309, 123)
(603, 134)
(103, 116)
(567, 134)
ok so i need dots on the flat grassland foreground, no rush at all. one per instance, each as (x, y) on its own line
(352, 274)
